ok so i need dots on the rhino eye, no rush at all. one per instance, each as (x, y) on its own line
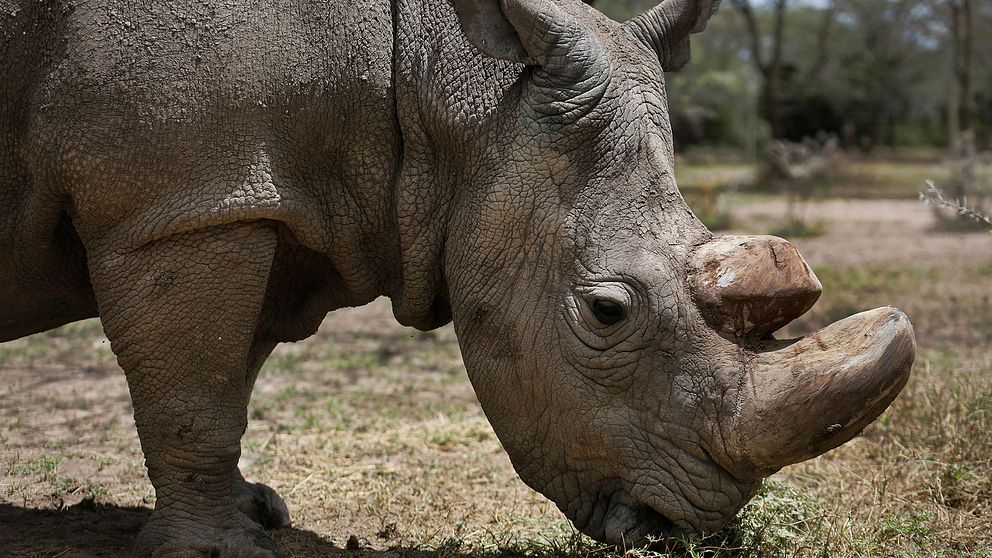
(607, 311)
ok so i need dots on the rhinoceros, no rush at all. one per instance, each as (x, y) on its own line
(212, 178)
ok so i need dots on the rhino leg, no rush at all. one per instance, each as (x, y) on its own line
(182, 316)
(258, 501)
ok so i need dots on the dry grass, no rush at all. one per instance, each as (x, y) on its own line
(372, 432)
(889, 176)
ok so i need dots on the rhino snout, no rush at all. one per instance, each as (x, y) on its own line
(803, 397)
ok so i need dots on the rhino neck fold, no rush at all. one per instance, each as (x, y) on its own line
(444, 120)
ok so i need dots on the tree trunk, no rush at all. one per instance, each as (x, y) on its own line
(773, 105)
(962, 38)
(962, 47)
(823, 37)
(953, 114)
(965, 72)
(769, 69)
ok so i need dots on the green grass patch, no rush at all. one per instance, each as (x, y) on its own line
(947, 306)
(800, 228)
(848, 177)
(727, 176)
(884, 179)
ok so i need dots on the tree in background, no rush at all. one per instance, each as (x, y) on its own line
(962, 49)
(871, 72)
(890, 42)
(964, 184)
(769, 64)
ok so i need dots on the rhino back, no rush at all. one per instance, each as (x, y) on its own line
(136, 120)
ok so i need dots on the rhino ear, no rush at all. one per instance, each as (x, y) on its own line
(533, 32)
(488, 29)
(665, 29)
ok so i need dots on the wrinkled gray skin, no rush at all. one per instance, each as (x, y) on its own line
(212, 180)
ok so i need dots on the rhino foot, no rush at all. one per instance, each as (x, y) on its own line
(167, 536)
(260, 503)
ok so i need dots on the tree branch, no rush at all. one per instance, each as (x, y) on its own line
(747, 12)
(822, 43)
(779, 34)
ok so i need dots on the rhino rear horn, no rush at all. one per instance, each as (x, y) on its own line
(665, 29)
(536, 33)
(750, 286)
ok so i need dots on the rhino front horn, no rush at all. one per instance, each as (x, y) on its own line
(750, 286)
(814, 394)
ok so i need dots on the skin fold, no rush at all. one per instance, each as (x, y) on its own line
(212, 178)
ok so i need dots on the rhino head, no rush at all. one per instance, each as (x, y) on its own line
(622, 353)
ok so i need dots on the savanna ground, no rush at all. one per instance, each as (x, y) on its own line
(374, 437)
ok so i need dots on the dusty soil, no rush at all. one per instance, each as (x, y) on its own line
(372, 432)
(860, 232)
(888, 252)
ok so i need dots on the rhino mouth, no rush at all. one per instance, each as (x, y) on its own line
(642, 527)
(800, 398)
(618, 519)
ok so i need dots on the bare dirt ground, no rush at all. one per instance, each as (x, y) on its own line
(872, 231)
(886, 252)
(372, 432)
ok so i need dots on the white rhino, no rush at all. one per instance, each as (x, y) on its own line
(211, 178)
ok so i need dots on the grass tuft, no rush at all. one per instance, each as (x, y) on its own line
(800, 228)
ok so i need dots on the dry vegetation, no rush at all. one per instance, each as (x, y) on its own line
(373, 434)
